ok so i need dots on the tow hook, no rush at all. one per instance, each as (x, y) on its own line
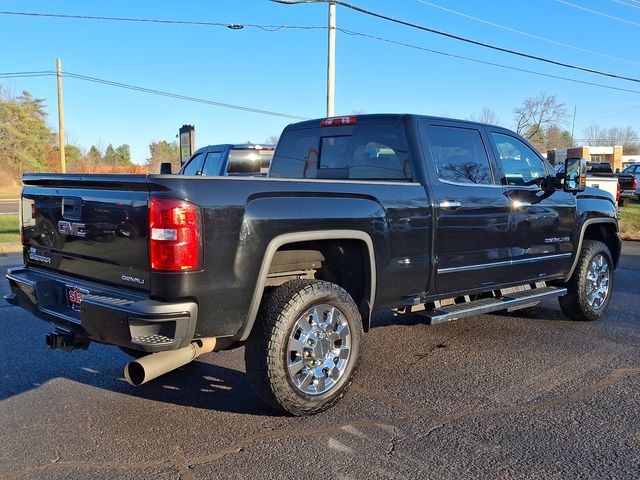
(67, 341)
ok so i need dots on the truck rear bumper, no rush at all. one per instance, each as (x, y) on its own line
(103, 314)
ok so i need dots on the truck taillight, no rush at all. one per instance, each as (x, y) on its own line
(635, 182)
(174, 235)
(618, 193)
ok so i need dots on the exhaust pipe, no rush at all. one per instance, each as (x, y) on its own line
(152, 366)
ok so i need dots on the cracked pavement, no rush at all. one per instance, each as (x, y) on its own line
(521, 396)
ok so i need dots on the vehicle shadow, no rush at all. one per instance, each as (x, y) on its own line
(200, 384)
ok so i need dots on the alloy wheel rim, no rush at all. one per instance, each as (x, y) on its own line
(318, 350)
(598, 278)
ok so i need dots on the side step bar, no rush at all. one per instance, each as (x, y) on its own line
(486, 305)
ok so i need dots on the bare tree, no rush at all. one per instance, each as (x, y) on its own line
(535, 114)
(486, 116)
(272, 139)
(627, 137)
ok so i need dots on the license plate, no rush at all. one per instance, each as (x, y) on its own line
(74, 297)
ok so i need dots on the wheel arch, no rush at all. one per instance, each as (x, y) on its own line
(602, 229)
(365, 306)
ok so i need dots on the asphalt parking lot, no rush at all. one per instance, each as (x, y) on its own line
(524, 396)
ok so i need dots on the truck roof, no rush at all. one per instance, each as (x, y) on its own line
(370, 118)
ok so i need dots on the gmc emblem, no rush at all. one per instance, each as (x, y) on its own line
(71, 228)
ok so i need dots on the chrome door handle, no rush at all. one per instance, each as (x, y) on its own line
(449, 204)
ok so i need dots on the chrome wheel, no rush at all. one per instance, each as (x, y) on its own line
(597, 283)
(318, 350)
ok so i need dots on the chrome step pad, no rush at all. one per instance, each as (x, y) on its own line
(505, 302)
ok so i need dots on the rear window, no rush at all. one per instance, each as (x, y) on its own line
(249, 161)
(371, 152)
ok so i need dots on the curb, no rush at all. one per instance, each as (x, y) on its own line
(6, 248)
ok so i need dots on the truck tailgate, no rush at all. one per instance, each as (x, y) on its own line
(93, 227)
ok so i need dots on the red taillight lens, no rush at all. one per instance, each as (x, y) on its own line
(618, 194)
(336, 121)
(174, 235)
(635, 182)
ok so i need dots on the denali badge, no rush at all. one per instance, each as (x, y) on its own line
(71, 228)
(34, 255)
(129, 278)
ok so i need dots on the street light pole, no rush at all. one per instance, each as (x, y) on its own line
(331, 61)
(331, 54)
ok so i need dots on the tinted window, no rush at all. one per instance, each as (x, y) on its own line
(249, 161)
(212, 164)
(459, 155)
(193, 166)
(520, 164)
(296, 155)
(373, 152)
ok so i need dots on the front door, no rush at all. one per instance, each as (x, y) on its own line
(542, 222)
(472, 213)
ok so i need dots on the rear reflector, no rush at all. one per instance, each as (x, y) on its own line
(336, 121)
(174, 228)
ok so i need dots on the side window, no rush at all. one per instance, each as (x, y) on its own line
(193, 166)
(373, 152)
(212, 164)
(296, 155)
(459, 155)
(520, 165)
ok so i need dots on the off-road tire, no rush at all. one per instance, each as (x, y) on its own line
(266, 348)
(575, 304)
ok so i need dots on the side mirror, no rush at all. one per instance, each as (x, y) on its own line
(575, 179)
(165, 168)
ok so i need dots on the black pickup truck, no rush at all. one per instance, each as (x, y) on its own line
(360, 213)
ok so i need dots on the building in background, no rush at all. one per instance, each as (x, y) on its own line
(612, 155)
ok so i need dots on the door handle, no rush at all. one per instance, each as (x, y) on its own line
(449, 204)
(519, 204)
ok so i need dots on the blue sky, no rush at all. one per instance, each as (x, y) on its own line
(285, 70)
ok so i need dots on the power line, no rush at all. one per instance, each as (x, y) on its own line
(232, 26)
(627, 4)
(352, 7)
(484, 62)
(610, 115)
(527, 34)
(150, 91)
(635, 24)
(180, 97)
(482, 44)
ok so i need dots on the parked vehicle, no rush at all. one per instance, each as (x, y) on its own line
(229, 160)
(635, 171)
(621, 186)
(357, 214)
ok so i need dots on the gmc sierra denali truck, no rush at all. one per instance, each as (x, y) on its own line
(357, 214)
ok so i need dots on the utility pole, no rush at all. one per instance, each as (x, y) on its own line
(331, 61)
(63, 166)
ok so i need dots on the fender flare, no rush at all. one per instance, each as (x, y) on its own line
(582, 232)
(288, 238)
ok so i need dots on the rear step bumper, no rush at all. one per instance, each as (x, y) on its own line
(486, 305)
(107, 315)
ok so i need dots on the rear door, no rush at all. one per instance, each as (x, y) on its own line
(212, 163)
(542, 233)
(472, 213)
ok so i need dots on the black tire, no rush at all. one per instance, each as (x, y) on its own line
(266, 350)
(623, 202)
(575, 305)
